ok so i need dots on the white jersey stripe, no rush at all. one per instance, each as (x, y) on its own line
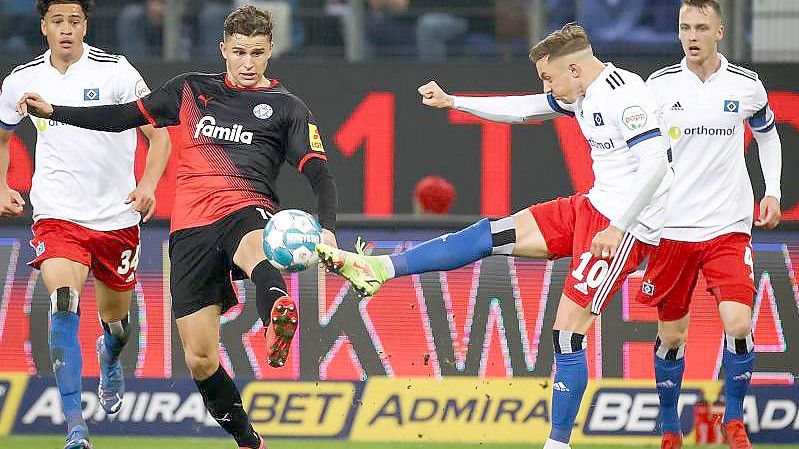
(616, 267)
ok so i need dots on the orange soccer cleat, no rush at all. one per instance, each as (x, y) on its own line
(671, 440)
(736, 434)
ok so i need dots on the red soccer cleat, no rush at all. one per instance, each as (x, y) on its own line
(671, 440)
(283, 324)
(736, 434)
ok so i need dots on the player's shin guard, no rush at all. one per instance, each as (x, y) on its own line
(738, 362)
(269, 286)
(450, 251)
(571, 378)
(115, 336)
(65, 355)
(669, 368)
(223, 401)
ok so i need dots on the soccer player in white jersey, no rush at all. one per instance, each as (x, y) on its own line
(704, 101)
(86, 204)
(607, 232)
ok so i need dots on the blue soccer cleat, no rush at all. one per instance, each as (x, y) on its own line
(78, 438)
(112, 379)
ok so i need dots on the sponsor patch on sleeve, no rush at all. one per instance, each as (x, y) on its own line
(634, 117)
(315, 138)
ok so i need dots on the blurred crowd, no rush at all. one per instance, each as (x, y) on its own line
(430, 30)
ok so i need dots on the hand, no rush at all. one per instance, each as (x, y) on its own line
(328, 238)
(34, 104)
(11, 203)
(606, 242)
(434, 96)
(769, 213)
(143, 199)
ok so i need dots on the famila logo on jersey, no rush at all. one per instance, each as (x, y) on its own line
(207, 127)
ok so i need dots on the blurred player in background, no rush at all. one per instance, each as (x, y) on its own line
(608, 231)
(704, 101)
(81, 194)
(234, 131)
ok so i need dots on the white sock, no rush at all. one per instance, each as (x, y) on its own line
(388, 264)
(552, 444)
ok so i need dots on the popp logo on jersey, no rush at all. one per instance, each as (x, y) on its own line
(207, 127)
(634, 117)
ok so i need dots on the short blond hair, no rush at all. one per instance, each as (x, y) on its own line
(705, 4)
(565, 41)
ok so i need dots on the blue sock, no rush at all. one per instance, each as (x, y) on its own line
(738, 362)
(669, 368)
(115, 335)
(447, 252)
(66, 360)
(571, 378)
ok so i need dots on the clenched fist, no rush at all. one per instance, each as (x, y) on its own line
(434, 96)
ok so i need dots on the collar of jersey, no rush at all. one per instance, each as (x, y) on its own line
(272, 83)
(722, 69)
(83, 58)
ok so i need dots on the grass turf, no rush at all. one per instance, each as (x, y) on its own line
(57, 442)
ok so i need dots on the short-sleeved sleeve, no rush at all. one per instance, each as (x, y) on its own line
(8, 102)
(761, 118)
(161, 107)
(130, 85)
(636, 114)
(304, 141)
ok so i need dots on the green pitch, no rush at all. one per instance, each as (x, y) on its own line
(56, 442)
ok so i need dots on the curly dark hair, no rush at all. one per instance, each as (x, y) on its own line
(248, 20)
(43, 5)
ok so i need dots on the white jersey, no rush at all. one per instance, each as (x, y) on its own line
(712, 193)
(616, 114)
(80, 175)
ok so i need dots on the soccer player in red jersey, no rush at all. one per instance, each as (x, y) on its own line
(234, 131)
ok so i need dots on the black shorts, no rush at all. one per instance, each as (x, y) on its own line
(201, 261)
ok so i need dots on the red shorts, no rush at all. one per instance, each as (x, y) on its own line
(568, 226)
(726, 263)
(111, 255)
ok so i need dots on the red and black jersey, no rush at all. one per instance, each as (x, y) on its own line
(230, 143)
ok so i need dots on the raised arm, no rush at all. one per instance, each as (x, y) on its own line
(504, 109)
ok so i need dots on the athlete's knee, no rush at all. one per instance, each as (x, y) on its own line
(201, 365)
(739, 328)
(671, 338)
(119, 329)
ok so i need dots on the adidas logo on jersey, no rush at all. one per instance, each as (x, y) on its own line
(677, 107)
(560, 386)
(666, 384)
(745, 376)
(207, 127)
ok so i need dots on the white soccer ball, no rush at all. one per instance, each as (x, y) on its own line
(290, 239)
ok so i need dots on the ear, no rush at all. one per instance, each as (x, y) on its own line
(720, 33)
(575, 70)
(271, 48)
(222, 50)
(42, 26)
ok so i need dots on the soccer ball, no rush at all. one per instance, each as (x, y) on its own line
(290, 240)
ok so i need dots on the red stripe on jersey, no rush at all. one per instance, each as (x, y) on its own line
(209, 186)
(307, 158)
(144, 112)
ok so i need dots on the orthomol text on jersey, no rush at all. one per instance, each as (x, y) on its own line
(608, 145)
(207, 127)
(676, 133)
